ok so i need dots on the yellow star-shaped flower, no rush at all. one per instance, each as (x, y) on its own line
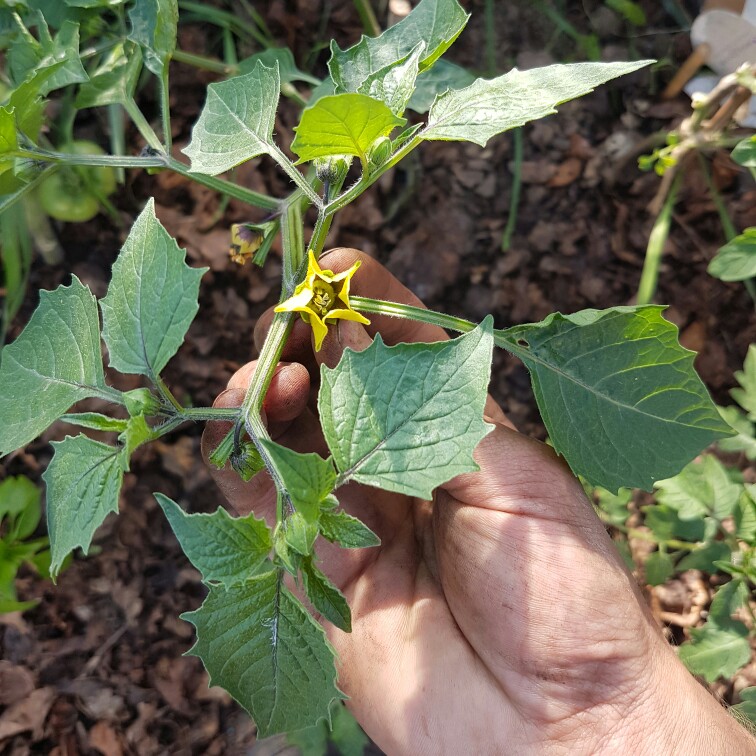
(323, 296)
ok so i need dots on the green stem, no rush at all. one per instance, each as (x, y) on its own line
(728, 227)
(367, 17)
(142, 124)
(204, 63)
(225, 187)
(291, 240)
(224, 18)
(9, 200)
(166, 393)
(650, 274)
(397, 310)
(196, 414)
(165, 108)
(117, 136)
(125, 161)
(491, 40)
(293, 173)
(514, 200)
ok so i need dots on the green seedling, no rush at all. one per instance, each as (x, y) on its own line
(618, 394)
(20, 513)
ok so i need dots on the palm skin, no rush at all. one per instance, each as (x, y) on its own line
(497, 618)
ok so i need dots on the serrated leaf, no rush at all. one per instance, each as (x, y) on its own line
(83, 484)
(237, 121)
(705, 557)
(54, 363)
(407, 418)
(394, 84)
(436, 23)
(703, 487)
(153, 27)
(342, 124)
(745, 396)
(284, 58)
(613, 508)
(747, 705)
(258, 642)
(736, 261)
(716, 652)
(151, 301)
(745, 152)
(226, 550)
(347, 531)
(308, 478)
(96, 421)
(617, 380)
(115, 80)
(28, 57)
(658, 567)
(433, 82)
(490, 106)
(327, 599)
(744, 440)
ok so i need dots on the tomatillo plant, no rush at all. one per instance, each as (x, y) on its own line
(618, 394)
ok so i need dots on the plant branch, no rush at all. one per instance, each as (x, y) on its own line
(294, 174)
(142, 124)
(165, 109)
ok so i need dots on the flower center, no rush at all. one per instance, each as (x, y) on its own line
(323, 297)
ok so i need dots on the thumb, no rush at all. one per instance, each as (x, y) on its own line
(346, 334)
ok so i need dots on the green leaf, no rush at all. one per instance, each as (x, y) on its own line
(613, 508)
(347, 531)
(236, 123)
(342, 124)
(435, 81)
(744, 517)
(83, 483)
(436, 23)
(115, 80)
(703, 487)
(20, 504)
(151, 299)
(407, 418)
(745, 396)
(137, 432)
(327, 599)
(300, 533)
(96, 421)
(744, 440)
(658, 566)
(747, 705)
(54, 363)
(489, 107)
(27, 57)
(226, 550)
(716, 652)
(258, 642)
(153, 27)
(704, 557)
(745, 152)
(631, 11)
(394, 84)
(8, 137)
(727, 600)
(308, 478)
(284, 58)
(736, 261)
(665, 523)
(617, 381)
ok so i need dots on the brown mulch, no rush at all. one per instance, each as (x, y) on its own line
(97, 666)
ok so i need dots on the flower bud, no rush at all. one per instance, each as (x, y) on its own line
(379, 151)
(141, 401)
(332, 169)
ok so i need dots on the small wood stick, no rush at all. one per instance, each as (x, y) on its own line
(687, 71)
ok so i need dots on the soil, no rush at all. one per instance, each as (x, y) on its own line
(97, 666)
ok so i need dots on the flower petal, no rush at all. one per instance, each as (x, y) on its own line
(357, 317)
(297, 302)
(319, 330)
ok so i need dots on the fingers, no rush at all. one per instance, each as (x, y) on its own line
(347, 333)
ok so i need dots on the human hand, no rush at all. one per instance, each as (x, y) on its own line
(497, 618)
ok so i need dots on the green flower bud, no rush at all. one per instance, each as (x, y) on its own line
(379, 151)
(141, 401)
(332, 169)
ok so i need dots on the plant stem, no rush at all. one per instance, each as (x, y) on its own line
(166, 393)
(396, 310)
(224, 186)
(210, 413)
(367, 16)
(224, 18)
(9, 200)
(142, 124)
(126, 161)
(293, 173)
(204, 63)
(491, 40)
(514, 200)
(165, 108)
(650, 274)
